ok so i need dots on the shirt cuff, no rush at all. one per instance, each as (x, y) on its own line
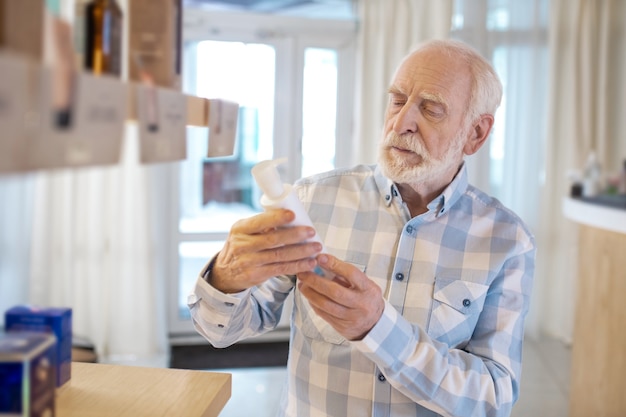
(205, 291)
(389, 326)
(212, 310)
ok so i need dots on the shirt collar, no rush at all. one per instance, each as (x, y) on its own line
(440, 205)
(387, 188)
(451, 194)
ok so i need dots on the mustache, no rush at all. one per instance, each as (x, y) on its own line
(407, 142)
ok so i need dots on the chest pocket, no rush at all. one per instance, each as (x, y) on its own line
(455, 310)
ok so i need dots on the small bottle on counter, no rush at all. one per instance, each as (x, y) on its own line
(592, 176)
(621, 184)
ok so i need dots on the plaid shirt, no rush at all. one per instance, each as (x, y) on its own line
(456, 281)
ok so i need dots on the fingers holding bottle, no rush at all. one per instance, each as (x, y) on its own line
(260, 247)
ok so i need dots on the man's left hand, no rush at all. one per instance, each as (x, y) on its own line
(351, 302)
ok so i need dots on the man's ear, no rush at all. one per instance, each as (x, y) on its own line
(478, 134)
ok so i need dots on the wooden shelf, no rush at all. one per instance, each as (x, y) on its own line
(101, 390)
(197, 108)
(197, 111)
(98, 108)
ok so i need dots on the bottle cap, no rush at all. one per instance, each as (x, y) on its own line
(267, 177)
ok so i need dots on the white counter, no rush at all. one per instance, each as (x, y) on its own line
(595, 215)
(598, 373)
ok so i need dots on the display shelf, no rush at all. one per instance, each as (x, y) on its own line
(197, 107)
(93, 110)
(595, 215)
(103, 390)
(600, 310)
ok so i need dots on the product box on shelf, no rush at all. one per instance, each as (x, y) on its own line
(22, 25)
(55, 320)
(27, 374)
(154, 46)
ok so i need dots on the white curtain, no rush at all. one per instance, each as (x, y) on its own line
(94, 249)
(95, 240)
(388, 30)
(586, 113)
(16, 202)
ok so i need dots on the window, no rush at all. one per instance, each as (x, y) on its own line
(513, 35)
(285, 80)
(319, 110)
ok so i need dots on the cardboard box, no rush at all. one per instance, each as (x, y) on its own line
(154, 46)
(57, 321)
(22, 26)
(27, 374)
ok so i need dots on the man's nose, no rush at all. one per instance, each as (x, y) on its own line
(406, 120)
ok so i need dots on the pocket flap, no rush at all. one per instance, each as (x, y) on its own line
(464, 296)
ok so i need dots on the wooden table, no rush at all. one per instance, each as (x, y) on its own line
(598, 375)
(100, 390)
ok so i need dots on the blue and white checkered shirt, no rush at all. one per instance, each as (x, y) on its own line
(456, 280)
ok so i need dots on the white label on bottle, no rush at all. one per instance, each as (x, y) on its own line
(223, 117)
(162, 118)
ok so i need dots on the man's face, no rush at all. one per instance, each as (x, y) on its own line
(425, 133)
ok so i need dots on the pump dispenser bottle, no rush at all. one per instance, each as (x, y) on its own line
(276, 195)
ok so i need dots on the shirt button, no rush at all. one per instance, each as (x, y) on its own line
(387, 197)
(409, 229)
(399, 276)
(381, 378)
(227, 304)
(466, 303)
(221, 326)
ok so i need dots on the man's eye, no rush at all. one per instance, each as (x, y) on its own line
(434, 111)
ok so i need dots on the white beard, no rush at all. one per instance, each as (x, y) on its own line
(429, 169)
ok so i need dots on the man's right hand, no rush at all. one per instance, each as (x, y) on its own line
(261, 247)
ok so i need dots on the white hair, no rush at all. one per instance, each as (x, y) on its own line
(486, 88)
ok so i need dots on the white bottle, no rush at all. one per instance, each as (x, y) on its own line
(592, 177)
(621, 186)
(277, 194)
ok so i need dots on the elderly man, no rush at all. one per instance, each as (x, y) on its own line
(425, 316)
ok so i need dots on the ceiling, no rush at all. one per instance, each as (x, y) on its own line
(306, 8)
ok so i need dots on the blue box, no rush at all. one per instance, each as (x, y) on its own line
(27, 374)
(55, 320)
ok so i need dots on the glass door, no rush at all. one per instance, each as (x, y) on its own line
(287, 89)
(216, 192)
